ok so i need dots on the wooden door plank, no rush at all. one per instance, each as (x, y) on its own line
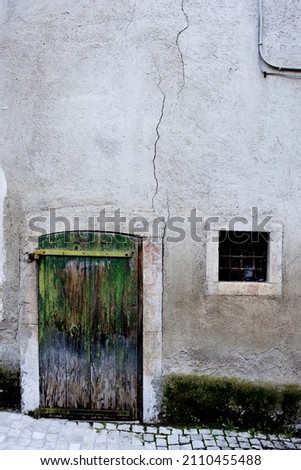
(77, 334)
(114, 332)
(51, 335)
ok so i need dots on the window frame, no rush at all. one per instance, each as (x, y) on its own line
(273, 284)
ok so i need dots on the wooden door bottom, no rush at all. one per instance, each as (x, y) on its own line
(86, 415)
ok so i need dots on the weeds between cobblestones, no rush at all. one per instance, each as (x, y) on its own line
(18, 431)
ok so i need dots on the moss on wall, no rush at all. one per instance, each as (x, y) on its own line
(9, 388)
(230, 402)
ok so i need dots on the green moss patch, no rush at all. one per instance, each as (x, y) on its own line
(191, 400)
(9, 389)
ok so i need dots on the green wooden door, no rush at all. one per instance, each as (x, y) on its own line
(90, 325)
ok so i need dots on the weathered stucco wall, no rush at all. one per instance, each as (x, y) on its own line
(157, 108)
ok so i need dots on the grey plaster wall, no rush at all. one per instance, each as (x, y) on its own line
(158, 108)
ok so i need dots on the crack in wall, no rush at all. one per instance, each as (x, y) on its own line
(156, 146)
(178, 45)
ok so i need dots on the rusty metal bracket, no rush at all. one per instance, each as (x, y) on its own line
(93, 253)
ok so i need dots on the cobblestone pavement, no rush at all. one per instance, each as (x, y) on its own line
(21, 432)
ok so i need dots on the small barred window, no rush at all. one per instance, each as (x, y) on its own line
(243, 256)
